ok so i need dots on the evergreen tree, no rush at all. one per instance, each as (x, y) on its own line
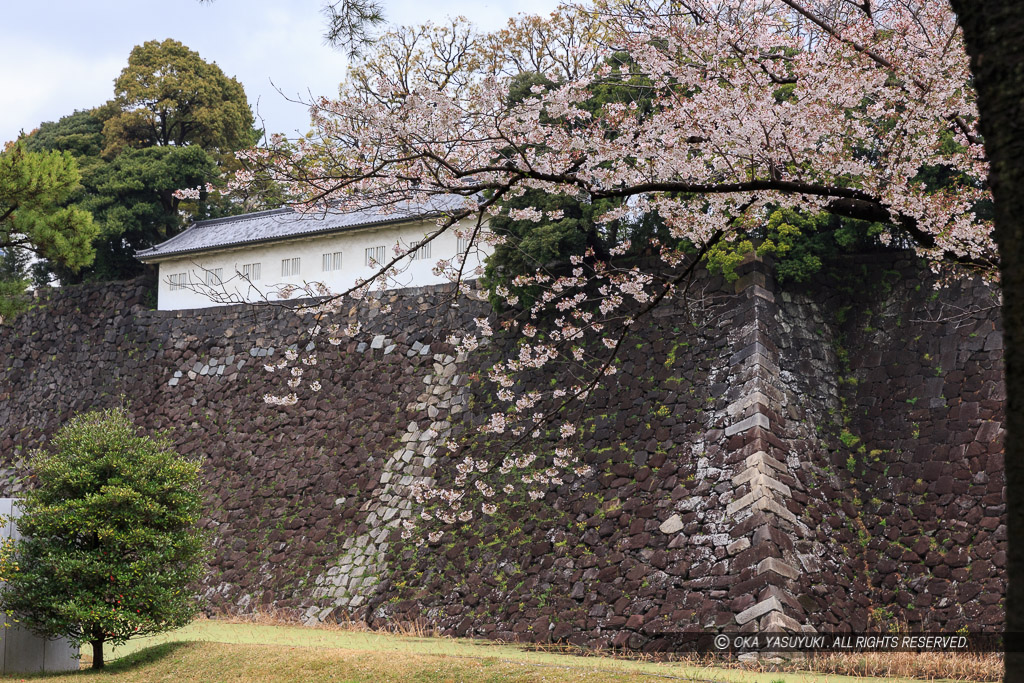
(175, 122)
(110, 542)
(35, 218)
(170, 96)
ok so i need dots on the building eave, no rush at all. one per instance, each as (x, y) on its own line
(146, 255)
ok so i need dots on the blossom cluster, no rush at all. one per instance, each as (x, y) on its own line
(748, 108)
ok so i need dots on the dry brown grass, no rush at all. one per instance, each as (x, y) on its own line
(956, 666)
(231, 663)
(922, 666)
(275, 617)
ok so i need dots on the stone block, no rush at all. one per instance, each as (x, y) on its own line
(763, 480)
(765, 463)
(775, 622)
(760, 292)
(738, 407)
(738, 546)
(672, 525)
(770, 505)
(752, 278)
(743, 502)
(759, 609)
(749, 350)
(784, 596)
(780, 567)
(756, 420)
(810, 563)
(770, 533)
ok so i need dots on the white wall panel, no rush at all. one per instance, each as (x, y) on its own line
(22, 651)
(310, 251)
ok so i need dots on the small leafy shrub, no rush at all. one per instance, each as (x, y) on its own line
(110, 541)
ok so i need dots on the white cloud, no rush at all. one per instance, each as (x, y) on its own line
(488, 15)
(50, 68)
(49, 83)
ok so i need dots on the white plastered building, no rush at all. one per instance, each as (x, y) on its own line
(251, 257)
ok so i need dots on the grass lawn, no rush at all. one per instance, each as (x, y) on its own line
(221, 651)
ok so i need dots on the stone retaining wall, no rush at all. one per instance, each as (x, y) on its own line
(768, 458)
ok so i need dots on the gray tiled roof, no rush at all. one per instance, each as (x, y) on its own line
(281, 224)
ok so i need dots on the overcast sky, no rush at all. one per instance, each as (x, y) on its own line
(57, 56)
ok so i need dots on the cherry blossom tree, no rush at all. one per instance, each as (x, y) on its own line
(744, 108)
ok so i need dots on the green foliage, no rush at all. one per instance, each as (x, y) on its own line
(14, 298)
(623, 84)
(531, 246)
(13, 283)
(110, 540)
(798, 242)
(168, 95)
(723, 257)
(132, 198)
(175, 123)
(34, 187)
(80, 133)
(848, 438)
(801, 244)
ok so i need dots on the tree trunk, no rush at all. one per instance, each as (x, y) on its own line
(97, 653)
(992, 32)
